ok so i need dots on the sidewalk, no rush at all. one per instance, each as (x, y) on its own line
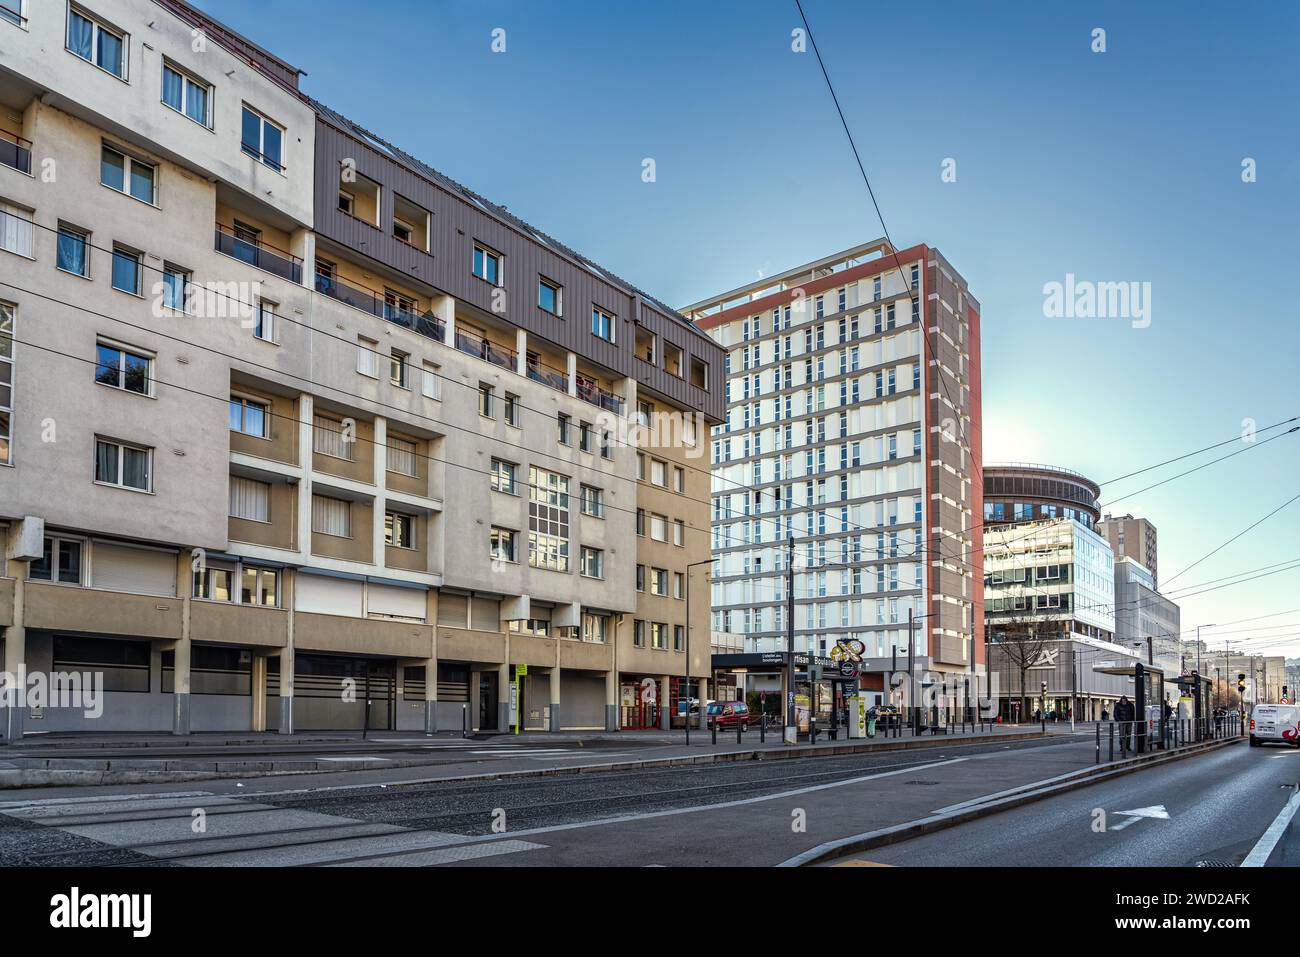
(103, 759)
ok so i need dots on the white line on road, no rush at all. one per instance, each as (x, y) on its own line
(1260, 853)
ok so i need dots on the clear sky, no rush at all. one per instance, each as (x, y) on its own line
(1117, 166)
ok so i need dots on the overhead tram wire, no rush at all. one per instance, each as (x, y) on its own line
(1248, 528)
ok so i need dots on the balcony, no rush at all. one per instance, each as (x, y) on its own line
(589, 391)
(476, 345)
(15, 152)
(539, 371)
(266, 257)
(382, 307)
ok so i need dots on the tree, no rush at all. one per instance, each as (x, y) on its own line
(1023, 641)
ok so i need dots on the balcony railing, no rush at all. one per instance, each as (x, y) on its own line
(590, 392)
(378, 305)
(15, 152)
(539, 371)
(476, 345)
(259, 254)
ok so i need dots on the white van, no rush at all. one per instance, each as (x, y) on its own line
(1275, 722)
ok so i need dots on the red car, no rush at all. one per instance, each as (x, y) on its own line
(726, 714)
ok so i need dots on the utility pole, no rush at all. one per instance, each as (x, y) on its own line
(792, 729)
(911, 671)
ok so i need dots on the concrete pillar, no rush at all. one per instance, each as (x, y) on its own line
(555, 694)
(306, 416)
(381, 500)
(302, 243)
(181, 685)
(289, 588)
(664, 716)
(521, 352)
(503, 692)
(431, 695)
(15, 659)
(611, 699)
(446, 311)
(571, 367)
(258, 721)
(475, 676)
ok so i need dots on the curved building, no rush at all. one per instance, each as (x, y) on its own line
(1025, 492)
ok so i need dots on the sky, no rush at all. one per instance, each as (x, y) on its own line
(1117, 166)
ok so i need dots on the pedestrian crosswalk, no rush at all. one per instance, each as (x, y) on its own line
(200, 829)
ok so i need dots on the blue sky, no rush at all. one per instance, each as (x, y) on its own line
(1118, 166)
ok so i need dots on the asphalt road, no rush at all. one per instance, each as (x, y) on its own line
(1209, 811)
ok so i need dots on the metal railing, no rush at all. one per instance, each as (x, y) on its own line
(590, 392)
(378, 305)
(1130, 738)
(257, 253)
(15, 151)
(475, 345)
(539, 371)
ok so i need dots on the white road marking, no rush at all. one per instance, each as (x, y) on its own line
(1156, 811)
(445, 855)
(356, 757)
(1259, 854)
(1009, 791)
(511, 754)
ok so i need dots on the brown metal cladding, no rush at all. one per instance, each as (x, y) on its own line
(456, 224)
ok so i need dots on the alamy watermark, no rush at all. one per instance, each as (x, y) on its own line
(1085, 299)
(58, 689)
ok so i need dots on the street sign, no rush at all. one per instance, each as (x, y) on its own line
(521, 670)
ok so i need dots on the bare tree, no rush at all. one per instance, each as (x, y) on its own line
(1023, 640)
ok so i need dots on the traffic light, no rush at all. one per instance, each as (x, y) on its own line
(1044, 689)
(1241, 682)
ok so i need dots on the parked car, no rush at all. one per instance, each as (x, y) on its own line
(726, 714)
(1277, 723)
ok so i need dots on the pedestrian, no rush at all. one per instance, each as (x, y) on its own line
(1105, 714)
(1125, 714)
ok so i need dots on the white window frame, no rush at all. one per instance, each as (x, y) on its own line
(367, 357)
(24, 229)
(125, 350)
(487, 252)
(265, 491)
(121, 461)
(393, 523)
(589, 557)
(429, 375)
(244, 401)
(129, 162)
(559, 296)
(347, 513)
(266, 322)
(261, 156)
(99, 26)
(188, 80)
(602, 321)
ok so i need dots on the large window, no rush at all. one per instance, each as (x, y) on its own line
(127, 175)
(123, 369)
(262, 139)
(602, 324)
(249, 416)
(61, 562)
(96, 42)
(487, 264)
(249, 499)
(595, 627)
(126, 466)
(331, 516)
(236, 582)
(73, 250)
(186, 95)
(16, 229)
(548, 520)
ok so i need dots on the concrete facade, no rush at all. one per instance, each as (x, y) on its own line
(308, 509)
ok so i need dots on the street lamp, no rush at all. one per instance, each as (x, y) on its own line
(1198, 645)
(705, 561)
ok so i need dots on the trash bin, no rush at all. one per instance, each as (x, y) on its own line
(871, 727)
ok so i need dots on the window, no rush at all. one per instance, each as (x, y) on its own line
(186, 95)
(548, 520)
(659, 473)
(485, 400)
(258, 586)
(397, 369)
(679, 479)
(16, 229)
(549, 296)
(602, 324)
(250, 500)
(584, 436)
(595, 627)
(127, 175)
(402, 454)
(607, 446)
(215, 582)
(403, 231)
(123, 369)
(502, 545)
(659, 527)
(429, 381)
(67, 567)
(264, 321)
(399, 530)
(347, 202)
(659, 582)
(537, 627)
(262, 139)
(510, 410)
(679, 638)
(593, 501)
(368, 357)
(679, 585)
(679, 533)
(331, 516)
(97, 43)
(250, 416)
(658, 635)
(640, 578)
(73, 250)
(638, 633)
(14, 11)
(562, 429)
(503, 476)
(487, 264)
(175, 287)
(127, 268)
(125, 466)
(330, 437)
(592, 562)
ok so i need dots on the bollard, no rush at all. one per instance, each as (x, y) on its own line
(1111, 757)
(464, 721)
(740, 729)
(713, 728)
(762, 730)
(1099, 742)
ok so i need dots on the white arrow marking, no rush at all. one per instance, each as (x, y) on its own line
(1155, 811)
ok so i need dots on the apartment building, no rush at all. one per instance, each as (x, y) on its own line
(300, 433)
(1147, 619)
(1133, 538)
(853, 430)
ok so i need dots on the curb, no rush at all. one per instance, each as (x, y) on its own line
(1096, 774)
(19, 778)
